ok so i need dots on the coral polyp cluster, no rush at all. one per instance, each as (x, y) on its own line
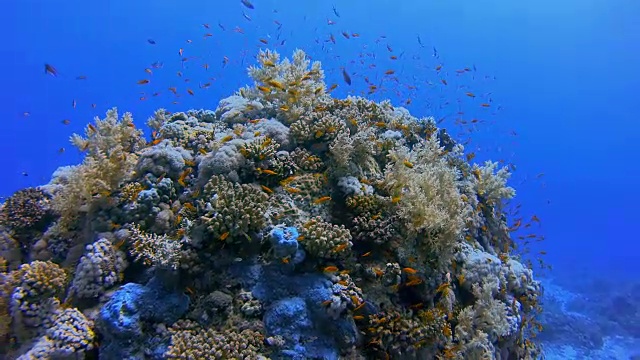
(284, 224)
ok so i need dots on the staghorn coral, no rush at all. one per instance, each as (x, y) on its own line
(155, 250)
(100, 268)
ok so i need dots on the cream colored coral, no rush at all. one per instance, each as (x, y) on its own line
(426, 187)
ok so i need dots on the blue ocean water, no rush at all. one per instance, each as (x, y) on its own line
(561, 79)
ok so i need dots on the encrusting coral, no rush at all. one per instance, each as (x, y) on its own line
(285, 223)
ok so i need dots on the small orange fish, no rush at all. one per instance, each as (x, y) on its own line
(389, 72)
(409, 270)
(183, 175)
(66, 121)
(470, 94)
(224, 236)
(368, 253)
(321, 200)
(264, 41)
(226, 138)
(267, 171)
(358, 317)
(408, 164)
(443, 81)
(266, 189)
(330, 269)
(143, 82)
(190, 92)
(485, 105)
(340, 247)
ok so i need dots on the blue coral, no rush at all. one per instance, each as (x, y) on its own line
(294, 310)
(132, 309)
(284, 241)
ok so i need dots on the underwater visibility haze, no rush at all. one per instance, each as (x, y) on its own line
(261, 179)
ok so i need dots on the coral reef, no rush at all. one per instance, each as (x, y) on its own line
(285, 224)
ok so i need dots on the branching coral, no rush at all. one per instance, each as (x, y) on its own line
(285, 87)
(326, 240)
(480, 325)
(233, 211)
(110, 160)
(491, 185)
(190, 341)
(427, 191)
(155, 250)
